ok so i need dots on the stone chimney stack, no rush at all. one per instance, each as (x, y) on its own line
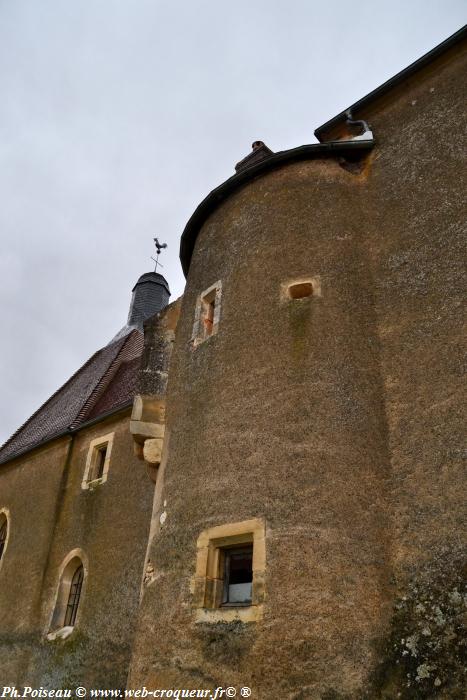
(151, 294)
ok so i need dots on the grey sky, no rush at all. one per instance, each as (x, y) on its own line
(119, 116)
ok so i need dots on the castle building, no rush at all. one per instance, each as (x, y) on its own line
(291, 516)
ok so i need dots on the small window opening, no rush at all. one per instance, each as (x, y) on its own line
(3, 533)
(208, 307)
(101, 454)
(97, 466)
(300, 290)
(73, 597)
(70, 587)
(207, 314)
(238, 576)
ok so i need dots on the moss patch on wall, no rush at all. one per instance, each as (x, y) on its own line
(426, 653)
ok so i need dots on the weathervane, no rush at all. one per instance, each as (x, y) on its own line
(159, 247)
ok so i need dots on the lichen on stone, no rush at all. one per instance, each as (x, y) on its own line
(426, 653)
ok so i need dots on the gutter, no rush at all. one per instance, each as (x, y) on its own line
(393, 82)
(68, 431)
(331, 149)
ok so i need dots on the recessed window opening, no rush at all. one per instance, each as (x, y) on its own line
(74, 596)
(97, 462)
(101, 453)
(69, 595)
(300, 290)
(207, 314)
(3, 533)
(238, 575)
(208, 307)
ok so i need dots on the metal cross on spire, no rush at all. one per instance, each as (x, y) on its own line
(159, 247)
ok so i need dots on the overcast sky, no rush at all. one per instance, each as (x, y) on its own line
(117, 119)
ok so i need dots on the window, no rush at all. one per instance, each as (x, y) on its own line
(97, 462)
(302, 288)
(230, 571)
(238, 576)
(74, 596)
(69, 596)
(3, 534)
(207, 314)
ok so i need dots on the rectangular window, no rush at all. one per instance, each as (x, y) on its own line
(207, 314)
(230, 572)
(238, 576)
(98, 461)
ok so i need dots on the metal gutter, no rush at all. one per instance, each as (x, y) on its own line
(67, 431)
(331, 149)
(397, 79)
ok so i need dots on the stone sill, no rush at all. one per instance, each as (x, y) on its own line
(251, 613)
(91, 485)
(61, 633)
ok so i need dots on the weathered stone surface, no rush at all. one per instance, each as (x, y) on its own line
(333, 417)
(51, 514)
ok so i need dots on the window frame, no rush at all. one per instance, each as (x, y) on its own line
(226, 556)
(58, 619)
(209, 580)
(96, 447)
(209, 299)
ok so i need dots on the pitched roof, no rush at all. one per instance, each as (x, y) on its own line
(105, 383)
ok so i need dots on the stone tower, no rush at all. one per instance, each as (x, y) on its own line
(307, 474)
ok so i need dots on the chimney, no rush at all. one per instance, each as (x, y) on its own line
(151, 294)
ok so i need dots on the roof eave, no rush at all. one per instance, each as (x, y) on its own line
(214, 198)
(393, 82)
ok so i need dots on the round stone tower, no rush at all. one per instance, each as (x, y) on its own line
(269, 549)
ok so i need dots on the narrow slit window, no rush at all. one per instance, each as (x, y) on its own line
(207, 314)
(74, 597)
(209, 306)
(100, 461)
(238, 576)
(69, 597)
(3, 533)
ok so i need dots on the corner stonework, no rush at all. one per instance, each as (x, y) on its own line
(147, 424)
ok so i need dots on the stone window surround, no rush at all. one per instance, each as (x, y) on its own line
(92, 456)
(60, 601)
(315, 282)
(5, 511)
(198, 335)
(208, 580)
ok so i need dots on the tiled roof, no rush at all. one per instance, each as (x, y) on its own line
(106, 382)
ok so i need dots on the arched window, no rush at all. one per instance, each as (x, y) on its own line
(74, 596)
(69, 595)
(3, 533)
